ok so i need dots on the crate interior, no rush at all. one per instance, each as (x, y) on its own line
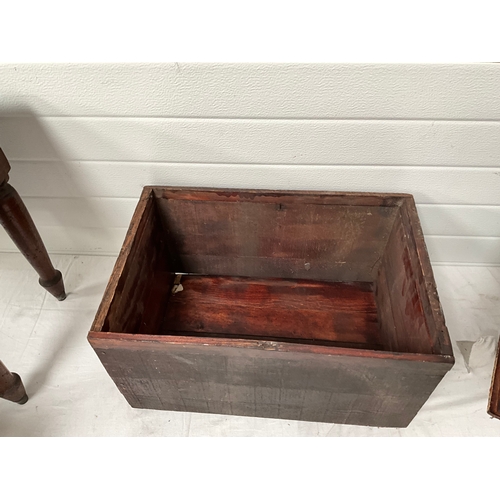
(331, 271)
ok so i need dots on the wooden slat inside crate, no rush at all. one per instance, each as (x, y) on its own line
(323, 242)
(298, 310)
(145, 262)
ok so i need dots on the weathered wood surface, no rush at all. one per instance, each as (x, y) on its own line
(273, 197)
(287, 309)
(409, 331)
(17, 222)
(4, 168)
(494, 401)
(11, 386)
(135, 301)
(424, 279)
(317, 238)
(268, 380)
(281, 325)
(408, 304)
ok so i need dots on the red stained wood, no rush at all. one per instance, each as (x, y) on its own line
(287, 309)
(408, 304)
(312, 306)
(407, 330)
(4, 167)
(424, 279)
(326, 242)
(273, 197)
(494, 402)
(11, 386)
(17, 222)
(139, 293)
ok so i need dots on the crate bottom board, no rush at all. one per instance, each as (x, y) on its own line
(327, 313)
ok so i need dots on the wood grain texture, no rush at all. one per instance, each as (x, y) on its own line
(267, 347)
(399, 276)
(114, 213)
(417, 91)
(270, 383)
(107, 241)
(141, 259)
(4, 168)
(18, 224)
(11, 386)
(264, 234)
(393, 338)
(408, 304)
(117, 179)
(424, 279)
(494, 399)
(287, 309)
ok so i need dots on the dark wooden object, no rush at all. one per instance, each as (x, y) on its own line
(11, 386)
(280, 309)
(494, 402)
(297, 305)
(17, 222)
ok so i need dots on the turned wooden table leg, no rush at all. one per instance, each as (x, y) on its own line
(17, 221)
(11, 386)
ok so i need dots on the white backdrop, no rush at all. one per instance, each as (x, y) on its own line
(84, 139)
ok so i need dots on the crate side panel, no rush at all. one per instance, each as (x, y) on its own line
(282, 239)
(135, 298)
(424, 279)
(387, 326)
(494, 400)
(398, 277)
(271, 384)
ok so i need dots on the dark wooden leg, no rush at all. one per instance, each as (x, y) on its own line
(17, 221)
(11, 386)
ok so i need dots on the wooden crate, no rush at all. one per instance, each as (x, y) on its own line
(311, 306)
(494, 401)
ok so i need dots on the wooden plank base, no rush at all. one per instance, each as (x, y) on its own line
(336, 313)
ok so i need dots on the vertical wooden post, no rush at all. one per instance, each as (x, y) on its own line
(11, 386)
(16, 220)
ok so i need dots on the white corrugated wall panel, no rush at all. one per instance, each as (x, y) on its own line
(84, 139)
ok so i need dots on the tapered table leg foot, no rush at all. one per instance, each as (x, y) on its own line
(16, 220)
(55, 286)
(11, 386)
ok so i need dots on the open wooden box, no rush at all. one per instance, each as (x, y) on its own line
(494, 401)
(297, 305)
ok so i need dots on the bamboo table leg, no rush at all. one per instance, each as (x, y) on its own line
(16, 220)
(11, 386)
